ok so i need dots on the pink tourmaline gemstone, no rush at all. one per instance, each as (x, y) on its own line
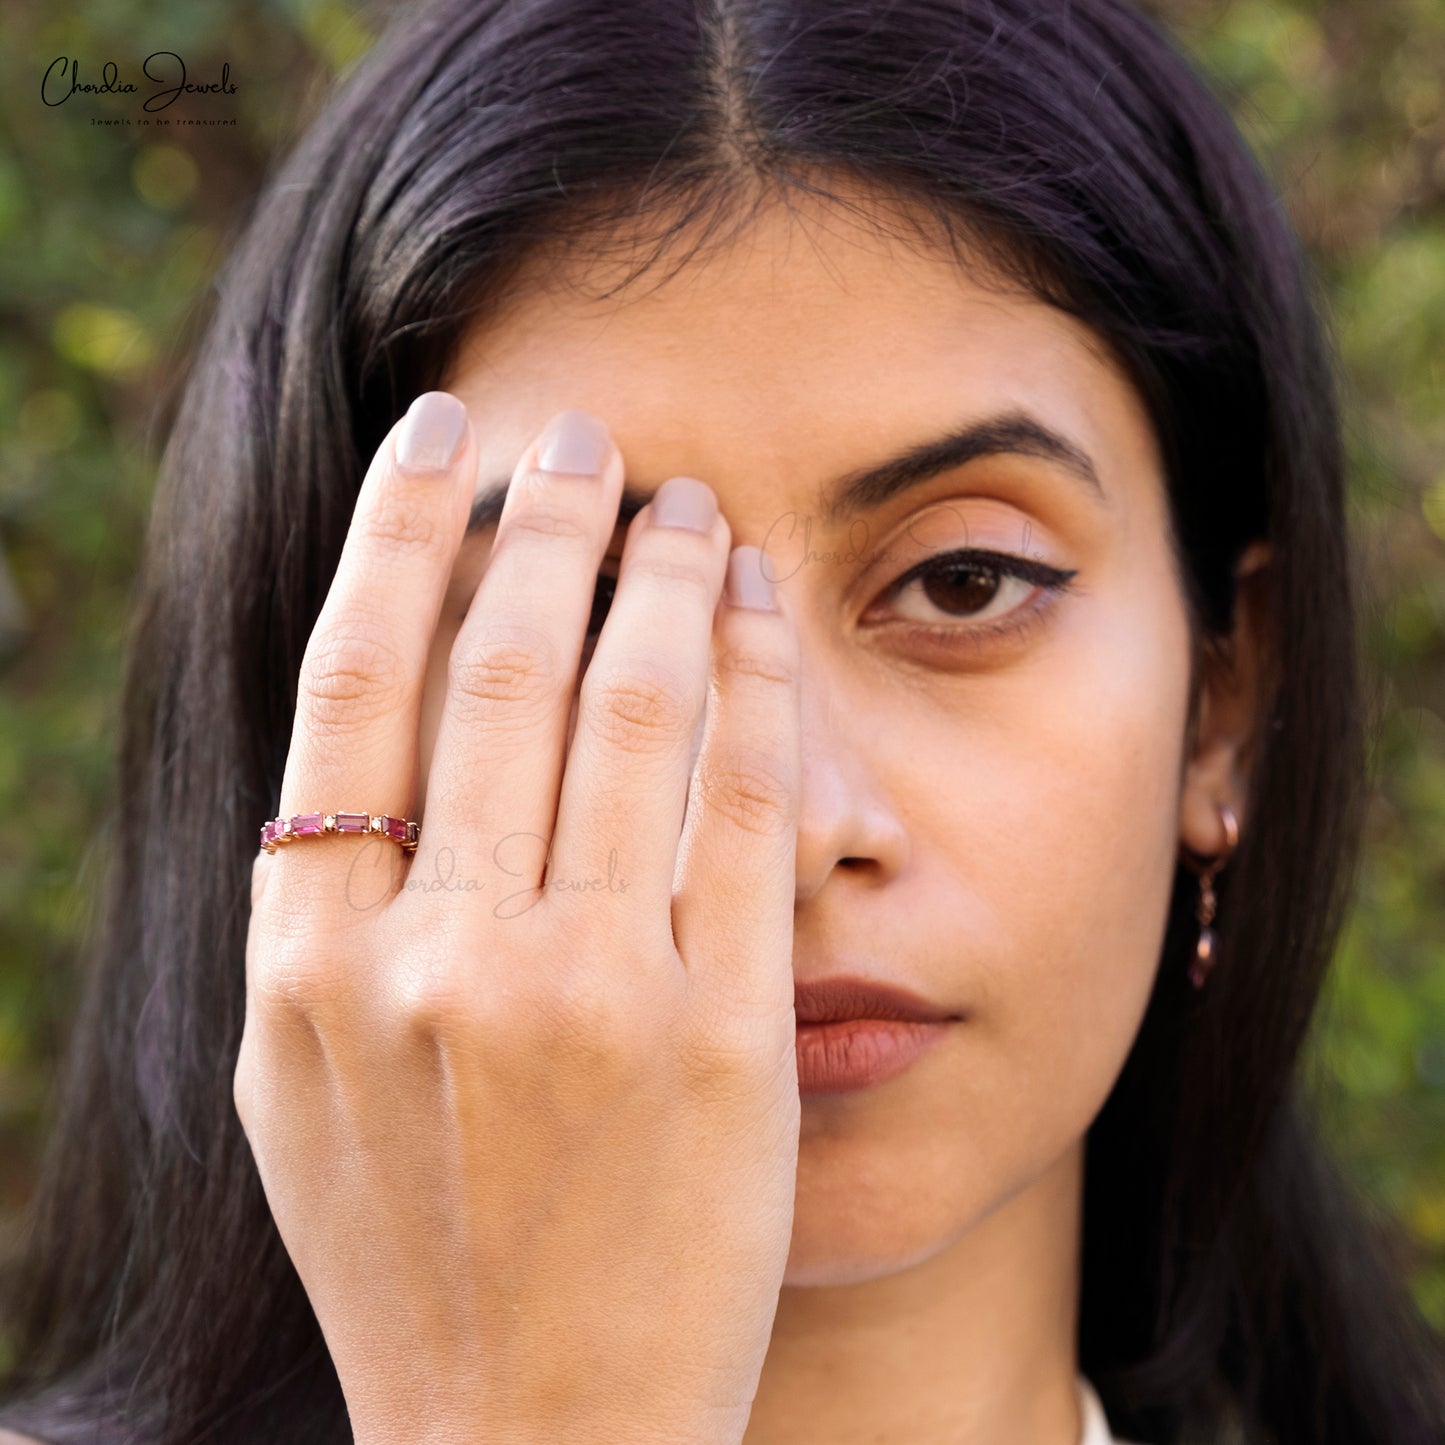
(308, 823)
(396, 828)
(274, 829)
(411, 831)
(351, 822)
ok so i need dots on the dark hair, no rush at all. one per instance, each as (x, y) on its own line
(1233, 1280)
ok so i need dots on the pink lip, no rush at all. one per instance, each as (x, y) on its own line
(851, 996)
(857, 1053)
(853, 1032)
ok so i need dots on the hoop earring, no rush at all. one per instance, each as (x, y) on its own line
(1203, 959)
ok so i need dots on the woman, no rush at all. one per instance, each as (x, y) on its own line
(778, 493)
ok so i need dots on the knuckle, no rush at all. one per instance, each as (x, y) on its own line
(260, 871)
(753, 665)
(396, 523)
(541, 516)
(592, 1021)
(672, 573)
(506, 665)
(351, 675)
(719, 1068)
(569, 1014)
(430, 988)
(748, 790)
(732, 1056)
(638, 709)
(438, 1003)
(241, 1086)
(597, 1023)
(288, 980)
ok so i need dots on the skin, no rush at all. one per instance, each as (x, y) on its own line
(993, 825)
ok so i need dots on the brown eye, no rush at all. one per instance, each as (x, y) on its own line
(937, 596)
(960, 590)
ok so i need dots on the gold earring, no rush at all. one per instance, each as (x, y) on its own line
(1203, 959)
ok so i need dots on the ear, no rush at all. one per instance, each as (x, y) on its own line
(1225, 737)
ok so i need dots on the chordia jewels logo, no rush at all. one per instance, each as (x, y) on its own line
(163, 69)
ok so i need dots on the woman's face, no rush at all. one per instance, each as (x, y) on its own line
(988, 817)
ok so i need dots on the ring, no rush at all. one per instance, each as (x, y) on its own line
(300, 825)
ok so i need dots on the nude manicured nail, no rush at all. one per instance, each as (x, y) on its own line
(748, 583)
(574, 441)
(431, 432)
(684, 502)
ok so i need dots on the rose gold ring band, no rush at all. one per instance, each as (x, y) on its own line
(303, 825)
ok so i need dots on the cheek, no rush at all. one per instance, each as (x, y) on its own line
(1053, 844)
(1102, 824)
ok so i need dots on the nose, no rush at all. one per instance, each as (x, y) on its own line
(846, 818)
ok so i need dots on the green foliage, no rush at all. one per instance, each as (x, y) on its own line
(109, 238)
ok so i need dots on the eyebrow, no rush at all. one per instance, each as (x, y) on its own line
(1017, 433)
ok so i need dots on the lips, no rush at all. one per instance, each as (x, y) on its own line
(851, 996)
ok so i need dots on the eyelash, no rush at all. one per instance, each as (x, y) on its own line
(1013, 625)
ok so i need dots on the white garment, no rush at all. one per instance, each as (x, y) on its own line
(1096, 1424)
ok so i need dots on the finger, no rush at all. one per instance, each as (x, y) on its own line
(260, 872)
(732, 913)
(624, 790)
(497, 764)
(354, 743)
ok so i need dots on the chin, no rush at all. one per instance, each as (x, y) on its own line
(851, 1248)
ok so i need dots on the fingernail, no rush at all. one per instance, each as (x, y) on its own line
(684, 502)
(749, 583)
(574, 441)
(431, 432)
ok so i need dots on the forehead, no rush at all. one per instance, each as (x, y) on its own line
(808, 327)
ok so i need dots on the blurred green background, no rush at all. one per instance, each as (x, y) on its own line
(110, 237)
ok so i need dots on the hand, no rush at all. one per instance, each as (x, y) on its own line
(535, 1171)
